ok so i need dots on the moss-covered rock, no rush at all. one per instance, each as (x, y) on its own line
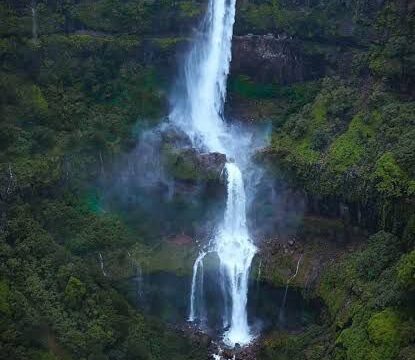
(190, 165)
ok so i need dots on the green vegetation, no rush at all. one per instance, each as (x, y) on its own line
(339, 141)
(369, 309)
(74, 81)
(349, 141)
(406, 270)
(53, 290)
(270, 101)
(166, 256)
(354, 151)
(79, 79)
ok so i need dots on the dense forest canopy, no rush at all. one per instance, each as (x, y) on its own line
(81, 79)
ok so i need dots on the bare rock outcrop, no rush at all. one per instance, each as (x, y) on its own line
(268, 58)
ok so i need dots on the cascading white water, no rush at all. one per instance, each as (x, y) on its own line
(236, 251)
(198, 110)
(198, 264)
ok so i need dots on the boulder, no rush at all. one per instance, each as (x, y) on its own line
(174, 136)
(186, 163)
(227, 354)
(190, 165)
(212, 162)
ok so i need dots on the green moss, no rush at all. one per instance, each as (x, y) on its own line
(185, 165)
(168, 43)
(385, 332)
(305, 152)
(391, 180)
(383, 327)
(348, 149)
(319, 113)
(297, 142)
(165, 257)
(279, 270)
(180, 166)
(245, 87)
(333, 297)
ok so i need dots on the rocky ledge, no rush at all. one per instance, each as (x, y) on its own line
(187, 163)
(267, 58)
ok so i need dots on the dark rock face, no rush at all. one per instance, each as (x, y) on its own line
(184, 162)
(175, 137)
(281, 59)
(190, 165)
(268, 58)
(212, 162)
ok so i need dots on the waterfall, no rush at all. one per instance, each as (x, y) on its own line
(224, 289)
(139, 280)
(258, 278)
(198, 265)
(197, 108)
(284, 299)
(101, 261)
(236, 251)
(34, 20)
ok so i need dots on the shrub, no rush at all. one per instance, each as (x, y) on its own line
(391, 180)
(74, 292)
(385, 332)
(406, 270)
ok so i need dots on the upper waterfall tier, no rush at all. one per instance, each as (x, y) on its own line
(198, 107)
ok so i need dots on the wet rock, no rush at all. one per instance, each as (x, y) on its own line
(190, 165)
(282, 59)
(174, 136)
(181, 239)
(205, 340)
(212, 162)
(227, 354)
(268, 58)
(186, 163)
